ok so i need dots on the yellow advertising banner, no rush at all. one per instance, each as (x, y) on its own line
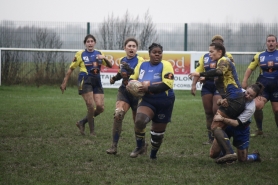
(180, 62)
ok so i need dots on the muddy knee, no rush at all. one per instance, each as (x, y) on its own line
(119, 114)
(141, 121)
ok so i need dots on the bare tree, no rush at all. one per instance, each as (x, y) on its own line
(106, 32)
(148, 33)
(126, 27)
(11, 60)
(114, 31)
(45, 62)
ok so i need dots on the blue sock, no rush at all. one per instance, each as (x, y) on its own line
(252, 157)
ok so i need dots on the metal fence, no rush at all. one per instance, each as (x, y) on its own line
(48, 66)
(24, 67)
(241, 37)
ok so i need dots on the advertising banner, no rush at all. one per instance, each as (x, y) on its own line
(182, 62)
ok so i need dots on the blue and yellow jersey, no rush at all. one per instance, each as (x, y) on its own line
(88, 62)
(132, 64)
(206, 64)
(154, 74)
(268, 62)
(228, 85)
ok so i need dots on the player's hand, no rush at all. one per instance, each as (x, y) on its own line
(244, 85)
(223, 102)
(193, 89)
(112, 81)
(63, 88)
(100, 57)
(193, 74)
(218, 117)
(218, 102)
(126, 67)
(202, 79)
(145, 86)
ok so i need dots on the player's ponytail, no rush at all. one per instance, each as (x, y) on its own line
(258, 88)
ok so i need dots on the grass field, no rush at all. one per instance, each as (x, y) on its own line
(40, 144)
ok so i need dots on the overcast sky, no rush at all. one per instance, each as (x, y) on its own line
(161, 11)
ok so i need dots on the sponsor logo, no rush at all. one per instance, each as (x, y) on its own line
(95, 64)
(157, 76)
(212, 65)
(270, 63)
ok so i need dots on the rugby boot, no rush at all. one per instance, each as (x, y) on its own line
(112, 149)
(138, 151)
(81, 127)
(257, 133)
(228, 158)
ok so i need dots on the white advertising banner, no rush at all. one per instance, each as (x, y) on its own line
(182, 62)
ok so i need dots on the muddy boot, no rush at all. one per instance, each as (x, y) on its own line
(81, 127)
(139, 151)
(112, 149)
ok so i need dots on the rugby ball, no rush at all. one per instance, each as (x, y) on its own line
(133, 88)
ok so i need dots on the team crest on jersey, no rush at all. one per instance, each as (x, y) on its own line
(142, 72)
(86, 59)
(206, 59)
(262, 58)
(169, 76)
